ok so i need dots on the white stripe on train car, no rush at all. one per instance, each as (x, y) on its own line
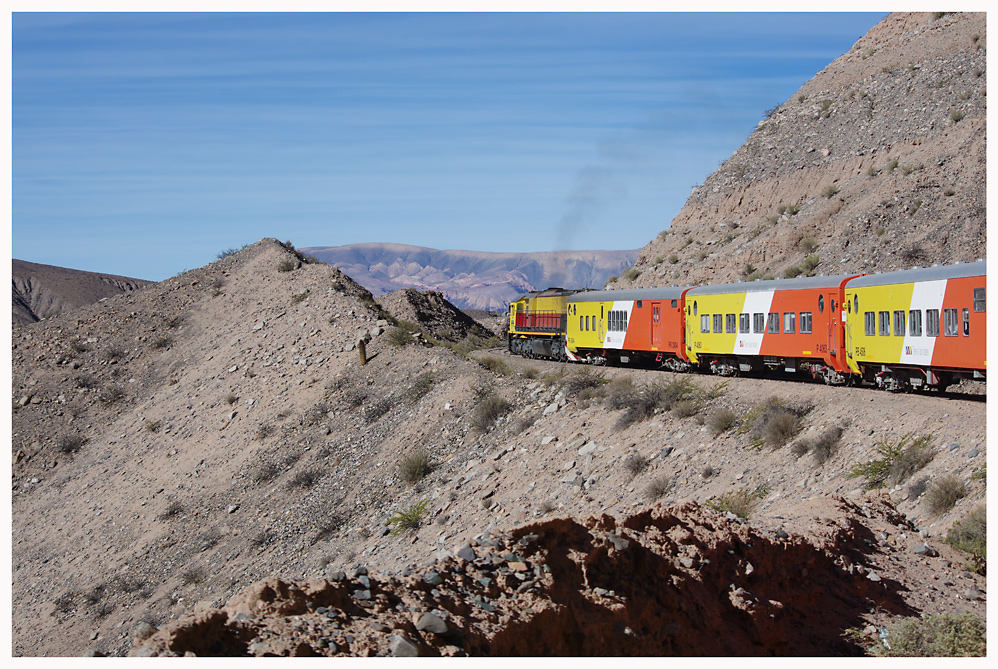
(926, 295)
(615, 339)
(749, 343)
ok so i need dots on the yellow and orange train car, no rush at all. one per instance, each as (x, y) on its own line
(918, 328)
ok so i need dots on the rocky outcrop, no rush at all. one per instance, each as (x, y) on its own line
(431, 311)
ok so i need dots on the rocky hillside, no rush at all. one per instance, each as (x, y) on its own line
(41, 291)
(877, 163)
(204, 466)
(472, 279)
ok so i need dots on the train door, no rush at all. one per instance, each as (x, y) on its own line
(828, 301)
(656, 325)
(602, 328)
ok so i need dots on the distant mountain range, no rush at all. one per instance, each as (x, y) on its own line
(471, 279)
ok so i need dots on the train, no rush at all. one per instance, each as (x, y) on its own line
(913, 329)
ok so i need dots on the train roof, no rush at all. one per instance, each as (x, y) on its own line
(547, 292)
(935, 273)
(628, 294)
(800, 283)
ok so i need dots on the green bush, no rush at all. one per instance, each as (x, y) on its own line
(489, 411)
(401, 334)
(587, 377)
(739, 502)
(829, 191)
(900, 458)
(287, 265)
(632, 274)
(408, 519)
(495, 364)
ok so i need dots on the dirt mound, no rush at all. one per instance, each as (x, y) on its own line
(650, 584)
(431, 311)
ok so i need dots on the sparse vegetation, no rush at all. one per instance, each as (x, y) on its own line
(264, 430)
(305, 478)
(379, 408)
(823, 446)
(300, 297)
(172, 510)
(956, 115)
(970, 535)
(632, 274)
(829, 191)
(739, 502)
(900, 458)
(287, 265)
(944, 493)
(495, 364)
(419, 388)
(673, 259)
(78, 346)
(808, 244)
(488, 411)
(587, 377)
(85, 381)
(192, 576)
(402, 333)
(722, 420)
(774, 422)
(231, 399)
(161, 342)
(114, 353)
(685, 408)
(69, 444)
(935, 635)
(228, 252)
(658, 487)
(152, 425)
(111, 395)
(635, 463)
(414, 466)
(408, 519)
(265, 472)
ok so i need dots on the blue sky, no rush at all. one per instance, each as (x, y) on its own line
(144, 144)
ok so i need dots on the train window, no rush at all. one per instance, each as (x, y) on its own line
(950, 325)
(774, 323)
(656, 315)
(601, 312)
(966, 322)
(729, 323)
(885, 323)
(694, 308)
(718, 323)
(855, 303)
(758, 323)
(789, 319)
(821, 304)
(675, 304)
(743, 323)
(899, 323)
(805, 322)
(915, 323)
(705, 323)
(979, 301)
(932, 322)
(870, 324)
(580, 323)
(639, 304)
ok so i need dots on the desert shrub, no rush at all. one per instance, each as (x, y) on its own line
(228, 252)
(172, 510)
(822, 446)
(408, 519)
(489, 411)
(530, 372)
(940, 635)
(829, 191)
(299, 297)
(192, 576)
(632, 274)
(970, 535)
(78, 346)
(355, 398)
(114, 353)
(956, 115)
(526, 422)
(944, 493)
(774, 421)
(378, 408)
(495, 364)
(913, 252)
(305, 479)
(792, 272)
(401, 334)
(612, 279)
(262, 538)
(739, 502)
(174, 322)
(287, 265)
(483, 389)
(809, 263)
(547, 506)
(414, 466)
(657, 488)
(329, 526)
(264, 430)
(686, 408)
(231, 398)
(673, 259)
(808, 244)
(111, 394)
(70, 443)
(707, 472)
(265, 472)
(635, 463)
(722, 420)
(153, 425)
(900, 458)
(419, 388)
(588, 377)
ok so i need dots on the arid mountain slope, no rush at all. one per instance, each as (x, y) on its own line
(175, 445)
(471, 279)
(41, 291)
(877, 163)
